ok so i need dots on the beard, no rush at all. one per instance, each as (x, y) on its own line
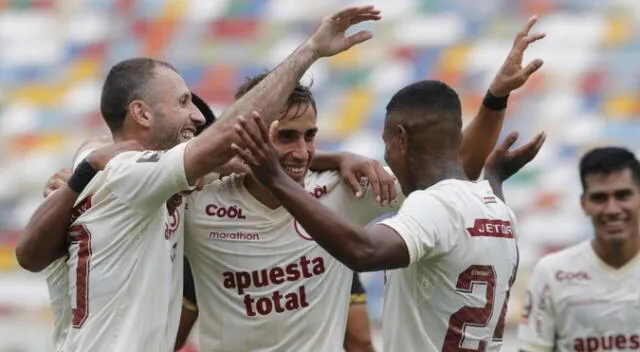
(165, 137)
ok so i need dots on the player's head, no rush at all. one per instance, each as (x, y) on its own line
(422, 126)
(611, 192)
(205, 109)
(295, 140)
(146, 99)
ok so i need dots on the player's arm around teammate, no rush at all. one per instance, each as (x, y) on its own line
(37, 247)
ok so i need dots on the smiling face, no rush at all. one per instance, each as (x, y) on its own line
(295, 140)
(612, 201)
(175, 116)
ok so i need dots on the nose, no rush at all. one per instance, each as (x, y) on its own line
(301, 151)
(197, 118)
(612, 207)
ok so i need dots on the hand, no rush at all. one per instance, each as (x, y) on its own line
(56, 181)
(355, 168)
(235, 165)
(174, 202)
(259, 154)
(330, 38)
(511, 75)
(100, 157)
(502, 163)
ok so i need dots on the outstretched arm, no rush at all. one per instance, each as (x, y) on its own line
(375, 248)
(481, 135)
(211, 150)
(44, 239)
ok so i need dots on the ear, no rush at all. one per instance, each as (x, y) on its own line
(140, 113)
(403, 139)
(583, 202)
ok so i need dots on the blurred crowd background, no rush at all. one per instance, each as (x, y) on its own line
(54, 55)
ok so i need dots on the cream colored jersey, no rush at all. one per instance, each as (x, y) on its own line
(463, 255)
(58, 285)
(262, 283)
(576, 302)
(122, 258)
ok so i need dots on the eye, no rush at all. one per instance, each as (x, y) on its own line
(310, 135)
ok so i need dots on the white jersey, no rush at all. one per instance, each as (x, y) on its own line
(58, 285)
(123, 254)
(463, 255)
(576, 302)
(57, 278)
(261, 282)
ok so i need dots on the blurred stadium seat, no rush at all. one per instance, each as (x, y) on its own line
(55, 54)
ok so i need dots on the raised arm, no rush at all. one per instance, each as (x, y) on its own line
(44, 239)
(481, 135)
(210, 150)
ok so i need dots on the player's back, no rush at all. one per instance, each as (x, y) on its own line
(463, 251)
(121, 255)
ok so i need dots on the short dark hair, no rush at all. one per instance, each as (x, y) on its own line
(607, 160)
(429, 97)
(205, 109)
(127, 81)
(301, 95)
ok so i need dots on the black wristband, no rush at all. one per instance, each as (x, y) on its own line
(81, 177)
(492, 102)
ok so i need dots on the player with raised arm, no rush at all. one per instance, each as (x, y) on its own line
(262, 274)
(453, 240)
(585, 297)
(122, 224)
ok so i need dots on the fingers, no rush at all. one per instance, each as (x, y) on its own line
(374, 181)
(243, 154)
(352, 180)
(527, 28)
(273, 131)
(511, 138)
(246, 135)
(355, 11)
(532, 67)
(387, 185)
(262, 127)
(359, 37)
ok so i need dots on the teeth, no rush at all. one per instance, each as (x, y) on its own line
(295, 170)
(187, 134)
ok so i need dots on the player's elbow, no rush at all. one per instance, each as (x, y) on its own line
(28, 260)
(362, 259)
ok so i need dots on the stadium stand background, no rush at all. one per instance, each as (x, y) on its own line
(54, 56)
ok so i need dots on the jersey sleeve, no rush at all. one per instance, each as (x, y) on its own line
(146, 180)
(537, 327)
(425, 225)
(358, 294)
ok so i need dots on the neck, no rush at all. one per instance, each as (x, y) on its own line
(616, 254)
(436, 170)
(261, 193)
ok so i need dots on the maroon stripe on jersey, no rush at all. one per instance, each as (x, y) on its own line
(79, 209)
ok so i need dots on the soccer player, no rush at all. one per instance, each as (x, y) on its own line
(452, 240)
(261, 272)
(121, 253)
(585, 297)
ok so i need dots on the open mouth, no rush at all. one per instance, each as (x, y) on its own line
(187, 134)
(614, 226)
(295, 171)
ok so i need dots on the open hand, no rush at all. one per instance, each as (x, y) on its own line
(330, 38)
(259, 153)
(502, 163)
(512, 75)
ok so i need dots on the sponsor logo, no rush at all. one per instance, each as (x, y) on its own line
(617, 342)
(234, 236)
(243, 282)
(231, 212)
(150, 156)
(491, 228)
(563, 276)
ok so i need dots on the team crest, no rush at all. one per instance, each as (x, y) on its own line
(150, 156)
